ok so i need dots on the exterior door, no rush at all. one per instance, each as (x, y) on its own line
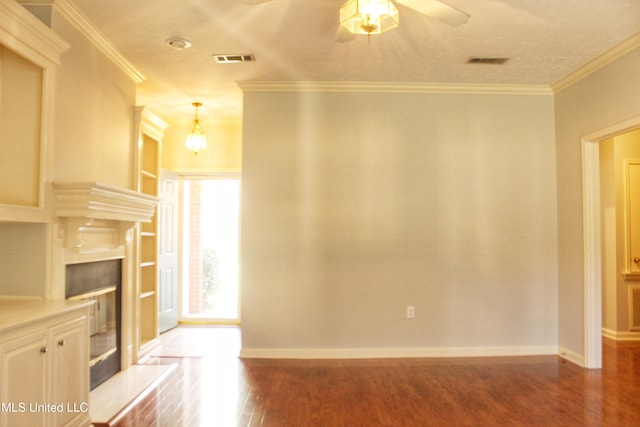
(168, 251)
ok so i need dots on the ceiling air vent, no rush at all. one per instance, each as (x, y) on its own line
(483, 60)
(230, 59)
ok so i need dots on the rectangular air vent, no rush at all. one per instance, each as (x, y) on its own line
(483, 60)
(230, 59)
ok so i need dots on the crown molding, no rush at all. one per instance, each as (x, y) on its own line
(149, 122)
(82, 23)
(23, 32)
(383, 87)
(597, 63)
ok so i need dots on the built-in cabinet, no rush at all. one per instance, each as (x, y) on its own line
(44, 363)
(150, 131)
(29, 55)
(44, 344)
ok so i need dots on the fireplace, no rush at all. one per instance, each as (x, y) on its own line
(100, 282)
(95, 229)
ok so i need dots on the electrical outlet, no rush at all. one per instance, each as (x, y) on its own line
(411, 312)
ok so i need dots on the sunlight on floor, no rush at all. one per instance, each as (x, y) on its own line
(200, 341)
(218, 347)
(222, 346)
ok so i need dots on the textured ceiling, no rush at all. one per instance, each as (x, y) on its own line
(297, 40)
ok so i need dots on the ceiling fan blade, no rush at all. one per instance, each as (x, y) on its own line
(438, 10)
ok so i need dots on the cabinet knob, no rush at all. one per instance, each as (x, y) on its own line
(636, 260)
(61, 343)
(43, 350)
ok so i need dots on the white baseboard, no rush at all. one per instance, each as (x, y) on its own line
(385, 353)
(572, 357)
(621, 336)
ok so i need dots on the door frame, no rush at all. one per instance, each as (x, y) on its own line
(592, 238)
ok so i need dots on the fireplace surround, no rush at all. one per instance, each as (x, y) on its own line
(101, 283)
(95, 229)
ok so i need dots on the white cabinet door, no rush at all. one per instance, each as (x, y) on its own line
(44, 372)
(69, 350)
(24, 369)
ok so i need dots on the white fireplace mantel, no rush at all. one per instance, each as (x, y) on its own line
(97, 215)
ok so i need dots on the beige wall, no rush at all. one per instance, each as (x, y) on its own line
(597, 102)
(93, 114)
(22, 242)
(223, 152)
(357, 205)
(20, 119)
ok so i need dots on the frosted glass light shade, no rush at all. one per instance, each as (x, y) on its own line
(369, 16)
(196, 140)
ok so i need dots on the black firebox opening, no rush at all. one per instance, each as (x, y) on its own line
(101, 282)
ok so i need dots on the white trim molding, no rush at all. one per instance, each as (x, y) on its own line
(592, 255)
(94, 200)
(387, 353)
(81, 22)
(592, 240)
(621, 335)
(98, 216)
(572, 357)
(597, 63)
(381, 87)
(26, 34)
(149, 122)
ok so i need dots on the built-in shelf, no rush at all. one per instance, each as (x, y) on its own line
(148, 174)
(149, 294)
(147, 171)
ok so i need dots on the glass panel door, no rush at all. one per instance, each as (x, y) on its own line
(210, 259)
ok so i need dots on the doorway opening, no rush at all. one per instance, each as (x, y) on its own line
(593, 241)
(211, 215)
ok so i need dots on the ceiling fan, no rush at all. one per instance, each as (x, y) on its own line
(377, 16)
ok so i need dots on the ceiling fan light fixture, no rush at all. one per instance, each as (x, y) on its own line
(369, 16)
(196, 140)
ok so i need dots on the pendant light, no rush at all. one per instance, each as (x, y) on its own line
(196, 140)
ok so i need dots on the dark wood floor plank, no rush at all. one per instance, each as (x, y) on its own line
(506, 391)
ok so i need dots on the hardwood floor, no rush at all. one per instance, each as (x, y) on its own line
(212, 387)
